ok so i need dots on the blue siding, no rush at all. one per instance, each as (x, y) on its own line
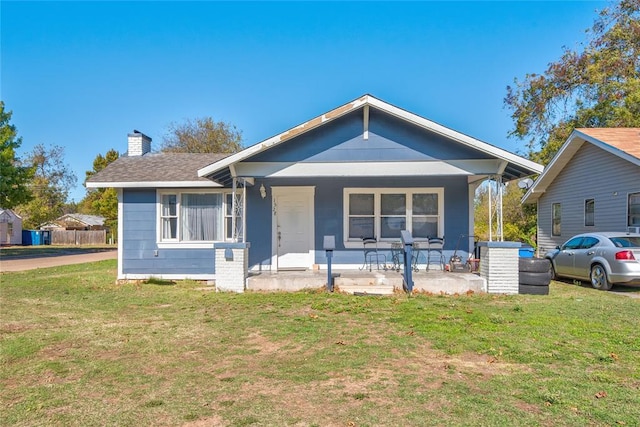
(390, 139)
(139, 242)
(329, 212)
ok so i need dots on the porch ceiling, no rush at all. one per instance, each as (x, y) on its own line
(474, 169)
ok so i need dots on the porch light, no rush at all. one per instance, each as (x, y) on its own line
(263, 191)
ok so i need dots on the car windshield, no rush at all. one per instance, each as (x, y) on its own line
(625, 241)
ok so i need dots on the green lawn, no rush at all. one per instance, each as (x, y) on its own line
(79, 350)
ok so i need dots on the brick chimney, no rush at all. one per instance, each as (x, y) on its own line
(139, 144)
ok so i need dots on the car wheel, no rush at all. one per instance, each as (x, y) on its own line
(554, 276)
(599, 279)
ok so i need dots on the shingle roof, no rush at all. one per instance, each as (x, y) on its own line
(624, 139)
(85, 219)
(155, 167)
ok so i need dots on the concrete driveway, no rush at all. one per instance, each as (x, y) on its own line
(32, 263)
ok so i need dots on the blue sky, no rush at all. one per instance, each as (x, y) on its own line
(83, 75)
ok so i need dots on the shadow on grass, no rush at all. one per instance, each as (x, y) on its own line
(159, 282)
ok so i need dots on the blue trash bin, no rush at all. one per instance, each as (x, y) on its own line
(526, 251)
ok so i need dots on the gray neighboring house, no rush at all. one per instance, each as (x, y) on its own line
(592, 184)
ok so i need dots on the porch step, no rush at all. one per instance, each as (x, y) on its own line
(371, 285)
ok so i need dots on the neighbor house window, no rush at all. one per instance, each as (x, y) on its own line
(383, 213)
(634, 210)
(589, 212)
(194, 217)
(556, 217)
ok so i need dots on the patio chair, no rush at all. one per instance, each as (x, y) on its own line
(371, 254)
(434, 252)
(397, 255)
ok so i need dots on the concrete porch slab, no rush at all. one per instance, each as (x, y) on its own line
(364, 282)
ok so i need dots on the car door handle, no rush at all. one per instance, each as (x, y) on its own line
(591, 252)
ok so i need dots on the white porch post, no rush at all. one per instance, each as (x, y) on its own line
(238, 210)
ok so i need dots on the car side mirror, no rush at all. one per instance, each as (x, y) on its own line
(558, 248)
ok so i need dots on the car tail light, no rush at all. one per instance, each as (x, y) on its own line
(625, 256)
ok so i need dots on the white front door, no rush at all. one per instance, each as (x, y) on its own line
(293, 230)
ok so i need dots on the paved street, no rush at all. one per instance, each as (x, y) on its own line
(16, 264)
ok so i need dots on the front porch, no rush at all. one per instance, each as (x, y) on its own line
(377, 282)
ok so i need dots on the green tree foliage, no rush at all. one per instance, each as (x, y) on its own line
(202, 135)
(519, 222)
(598, 86)
(14, 177)
(50, 186)
(102, 201)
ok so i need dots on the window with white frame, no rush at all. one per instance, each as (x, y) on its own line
(634, 210)
(194, 216)
(384, 212)
(556, 219)
(589, 212)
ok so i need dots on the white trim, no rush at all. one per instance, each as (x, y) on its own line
(120, 231)
(136, 276)
(154, 184)
(276, 191)
(187, 244)
(368, 100)
(564, 156)
(365, 124)
(377, 192)
(373, 169)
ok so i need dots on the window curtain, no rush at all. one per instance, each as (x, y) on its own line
(201, 217)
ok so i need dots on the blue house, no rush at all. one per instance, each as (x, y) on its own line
(366, 168)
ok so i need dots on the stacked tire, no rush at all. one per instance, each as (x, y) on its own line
(534, 276)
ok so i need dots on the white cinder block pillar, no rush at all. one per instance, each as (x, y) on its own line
(231, 266)
(499, 266)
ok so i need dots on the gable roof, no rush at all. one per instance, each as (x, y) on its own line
(91, 220)
(514, 166)
(155, 170)
(9, 213)
(621, 142)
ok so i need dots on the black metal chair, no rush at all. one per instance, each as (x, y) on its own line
(371, 254)
(434, 252)
(397, 255)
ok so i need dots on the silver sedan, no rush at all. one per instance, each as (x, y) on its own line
(604, 259)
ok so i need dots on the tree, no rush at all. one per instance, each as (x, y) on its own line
(519, 222)
(596, 87)
(102, 201)
(14, 188)
(50, 186)
(202, 135)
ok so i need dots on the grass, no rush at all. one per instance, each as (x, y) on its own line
(79, 350)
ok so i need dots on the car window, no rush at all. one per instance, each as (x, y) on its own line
(625, 241)
(589, 242)
(573, 243)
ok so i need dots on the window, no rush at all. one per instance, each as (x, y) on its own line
(228, 217)
(556, 217)
(573, 243)
(589, 242)
(589, 212)
(383, 213)
(194, 217)
(634, 210)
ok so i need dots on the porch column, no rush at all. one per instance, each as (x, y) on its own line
(499, 266)
(231, 266)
